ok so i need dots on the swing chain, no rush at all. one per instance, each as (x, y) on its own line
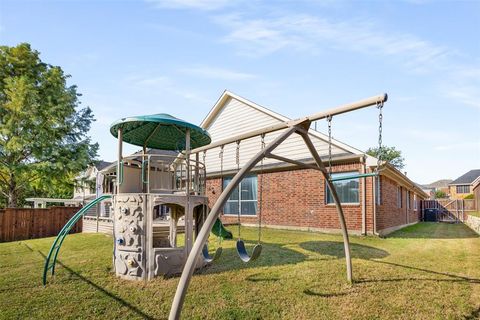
(329, 122)
(261, 191)
(237, 159)
(237, 155)
(380, 132)
(220, 155)
(204, 185)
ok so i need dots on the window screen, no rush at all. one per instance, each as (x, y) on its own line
(347, 190)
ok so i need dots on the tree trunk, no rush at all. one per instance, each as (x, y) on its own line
(12, 192)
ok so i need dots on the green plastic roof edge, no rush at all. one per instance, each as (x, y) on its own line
(160, 131)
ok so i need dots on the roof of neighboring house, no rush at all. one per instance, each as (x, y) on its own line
(443, 183)
(100, 165)
(169, 156)
(467, 178)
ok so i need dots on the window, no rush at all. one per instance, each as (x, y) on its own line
(347, 190)
(415, 202)
(408, 200)
(463, 189)
(244, 198)
(399, 197)
(378, 190)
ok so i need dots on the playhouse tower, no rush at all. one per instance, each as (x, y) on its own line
(150, 185)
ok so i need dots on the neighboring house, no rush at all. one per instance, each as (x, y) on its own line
(84, 190)
(86, 182)
(439, 185)
(463, 185)
(298, 198)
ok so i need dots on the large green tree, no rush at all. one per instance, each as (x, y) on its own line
(389, 154)
(43, 131)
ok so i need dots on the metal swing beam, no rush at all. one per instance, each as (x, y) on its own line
(344, 108)
(298, 126)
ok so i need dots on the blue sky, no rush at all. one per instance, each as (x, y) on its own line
(294, 57)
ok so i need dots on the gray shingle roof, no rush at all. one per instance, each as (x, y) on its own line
(100, 165)
(468, 177)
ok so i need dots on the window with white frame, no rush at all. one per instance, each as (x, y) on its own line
(415, 206)
(244, 198)
(378, 190)
(347, 190)
(463, 189)
(399, 197)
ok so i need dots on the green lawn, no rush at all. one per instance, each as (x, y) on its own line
(427, 271)
(474, 213)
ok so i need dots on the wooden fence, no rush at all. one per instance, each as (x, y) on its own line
(28, 223)
(450, 210)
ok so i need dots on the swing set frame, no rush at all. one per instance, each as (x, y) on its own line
(301, 127)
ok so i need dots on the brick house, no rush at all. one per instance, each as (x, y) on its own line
(463, 185)
(289, 197)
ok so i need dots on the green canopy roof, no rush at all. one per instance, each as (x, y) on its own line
(159, 131)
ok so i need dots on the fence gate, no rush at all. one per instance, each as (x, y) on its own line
(446, 210)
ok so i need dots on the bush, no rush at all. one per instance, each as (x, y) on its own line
(470, 196)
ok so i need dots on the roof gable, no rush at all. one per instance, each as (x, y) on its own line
(232, 115)
(467, 178)
(228, 95)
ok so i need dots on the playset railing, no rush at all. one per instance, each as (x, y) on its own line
(151, 173)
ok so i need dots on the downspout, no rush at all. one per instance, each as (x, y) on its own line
(407, 200)
(98, 205)
(364, 196)
(374, 203)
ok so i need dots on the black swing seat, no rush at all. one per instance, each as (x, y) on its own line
(207, 257)
(243, 254)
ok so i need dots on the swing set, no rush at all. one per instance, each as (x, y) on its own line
(301, 127)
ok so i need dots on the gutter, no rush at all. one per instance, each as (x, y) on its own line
(282, 166)
(364, 195)
(393, 173)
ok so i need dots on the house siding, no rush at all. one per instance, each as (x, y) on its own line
(458, 196)
(237, 118)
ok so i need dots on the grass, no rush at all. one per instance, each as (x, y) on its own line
(426, 271)
(474, 213)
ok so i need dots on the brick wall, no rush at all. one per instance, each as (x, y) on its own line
(389, 215)
(296, 198)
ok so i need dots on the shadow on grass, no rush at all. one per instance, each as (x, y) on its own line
(435, 230)
(335, 249)
(109, 294)
(453, 277)
(475, 314)
(272, 255)
(316, 293)
(258, 277)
